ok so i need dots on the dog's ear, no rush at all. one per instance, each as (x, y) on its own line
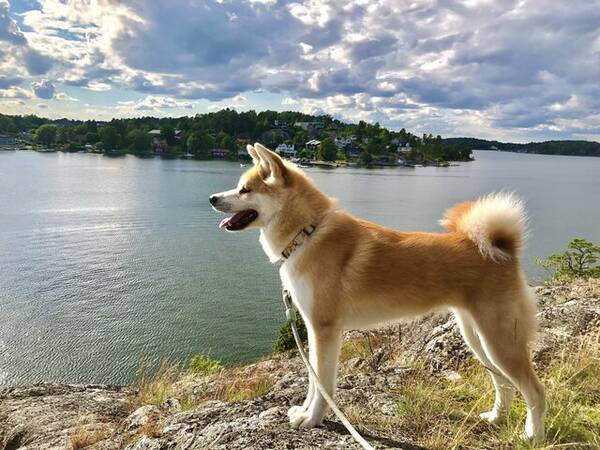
(271, 165)
(253, 154)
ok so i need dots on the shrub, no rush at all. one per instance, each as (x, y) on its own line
(285, 338)
(205, 365)
(579, 260)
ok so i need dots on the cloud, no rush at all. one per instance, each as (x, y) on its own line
(65, 97)
(43, 89)
(14, 92)
(153, 104)
(9, 31)
(505, 67)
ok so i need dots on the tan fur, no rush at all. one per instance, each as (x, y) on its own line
(359, 274)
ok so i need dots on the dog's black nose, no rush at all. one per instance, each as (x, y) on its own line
(213, 199)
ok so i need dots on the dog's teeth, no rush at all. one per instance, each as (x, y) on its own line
(225, 222)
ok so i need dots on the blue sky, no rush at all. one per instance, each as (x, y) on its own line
(510, 70)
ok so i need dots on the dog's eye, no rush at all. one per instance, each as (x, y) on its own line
(244, 190)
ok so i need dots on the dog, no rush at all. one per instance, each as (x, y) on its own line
(346, 273)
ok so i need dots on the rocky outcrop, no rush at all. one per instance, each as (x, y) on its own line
(51, 416)
(45, 416)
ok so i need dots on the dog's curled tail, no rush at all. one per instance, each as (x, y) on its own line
(496, 223)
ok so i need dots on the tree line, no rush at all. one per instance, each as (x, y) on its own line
(228, 129)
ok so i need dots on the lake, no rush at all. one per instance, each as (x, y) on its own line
(106, 262)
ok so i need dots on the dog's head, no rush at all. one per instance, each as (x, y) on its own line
(261, 192)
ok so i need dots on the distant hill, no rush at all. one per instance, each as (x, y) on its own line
(571, 148)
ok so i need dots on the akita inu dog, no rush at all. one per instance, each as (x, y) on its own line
(346, 273)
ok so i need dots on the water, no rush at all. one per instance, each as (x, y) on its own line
(108, 261)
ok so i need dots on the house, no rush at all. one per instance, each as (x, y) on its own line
(159, 146)
(8, 142)
(343, 142)
(286, 150)
(313, 144)
(26, 136)
(281, 124)
(220, 152)
(406, 148)
(352, 151)
(308, 126)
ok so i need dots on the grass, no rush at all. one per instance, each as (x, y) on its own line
(85, 435)
(436, 413)
(205, 365)
(442, 414)
(153, 388)
(233, 384)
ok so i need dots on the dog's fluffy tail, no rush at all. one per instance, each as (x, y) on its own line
(496, 223)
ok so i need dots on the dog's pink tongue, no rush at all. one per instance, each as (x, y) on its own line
(225, 222)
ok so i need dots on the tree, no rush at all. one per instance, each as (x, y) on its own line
(91, 138)
(200, 144)
(167, 132)
(109, 137)
(46, 134)
(580, 260)
(139, 141)
(327, 151)
(366, 158)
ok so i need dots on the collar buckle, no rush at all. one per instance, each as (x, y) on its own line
(298, 240)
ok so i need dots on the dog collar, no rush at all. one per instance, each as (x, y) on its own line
(298, 240)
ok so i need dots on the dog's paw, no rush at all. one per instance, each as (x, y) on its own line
(492, 417)
(294, 411)
(534, 438)
(301, 418)
(534, 434)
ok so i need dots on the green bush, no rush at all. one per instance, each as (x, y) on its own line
(579, 260)
(285, 338)
(205, 365)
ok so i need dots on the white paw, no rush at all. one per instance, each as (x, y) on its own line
(533, 436)
(295, 410)
(301, 418)
(492, 417)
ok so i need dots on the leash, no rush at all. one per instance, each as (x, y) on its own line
(290, 314)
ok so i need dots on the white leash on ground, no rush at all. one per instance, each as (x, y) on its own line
(290, 314)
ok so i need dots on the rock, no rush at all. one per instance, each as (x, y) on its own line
(144, 443)
(141, 417)
(48, 416)
(44, 416)
(171, 406)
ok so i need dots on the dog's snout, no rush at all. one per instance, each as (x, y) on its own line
(213, 199)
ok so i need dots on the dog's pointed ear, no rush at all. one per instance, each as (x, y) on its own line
(271, 165)
(253, 154)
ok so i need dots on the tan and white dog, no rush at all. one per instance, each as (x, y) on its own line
(352, 274)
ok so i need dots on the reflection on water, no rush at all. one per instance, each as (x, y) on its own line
(105, 261)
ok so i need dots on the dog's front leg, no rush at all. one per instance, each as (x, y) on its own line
(324, 347)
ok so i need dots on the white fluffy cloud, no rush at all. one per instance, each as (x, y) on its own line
(497, 68)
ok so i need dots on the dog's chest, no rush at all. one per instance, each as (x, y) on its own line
(299, 287)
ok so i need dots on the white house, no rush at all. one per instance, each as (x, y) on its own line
(406, 148)
(313, 144)
(343, 142)
(287, 150)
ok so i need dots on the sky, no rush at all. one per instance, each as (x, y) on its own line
(514, 71)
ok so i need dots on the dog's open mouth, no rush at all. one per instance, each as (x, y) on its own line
(239, 220)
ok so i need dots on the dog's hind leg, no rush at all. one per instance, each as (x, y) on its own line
(504, 327)
(324, 352)
(505, 391)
